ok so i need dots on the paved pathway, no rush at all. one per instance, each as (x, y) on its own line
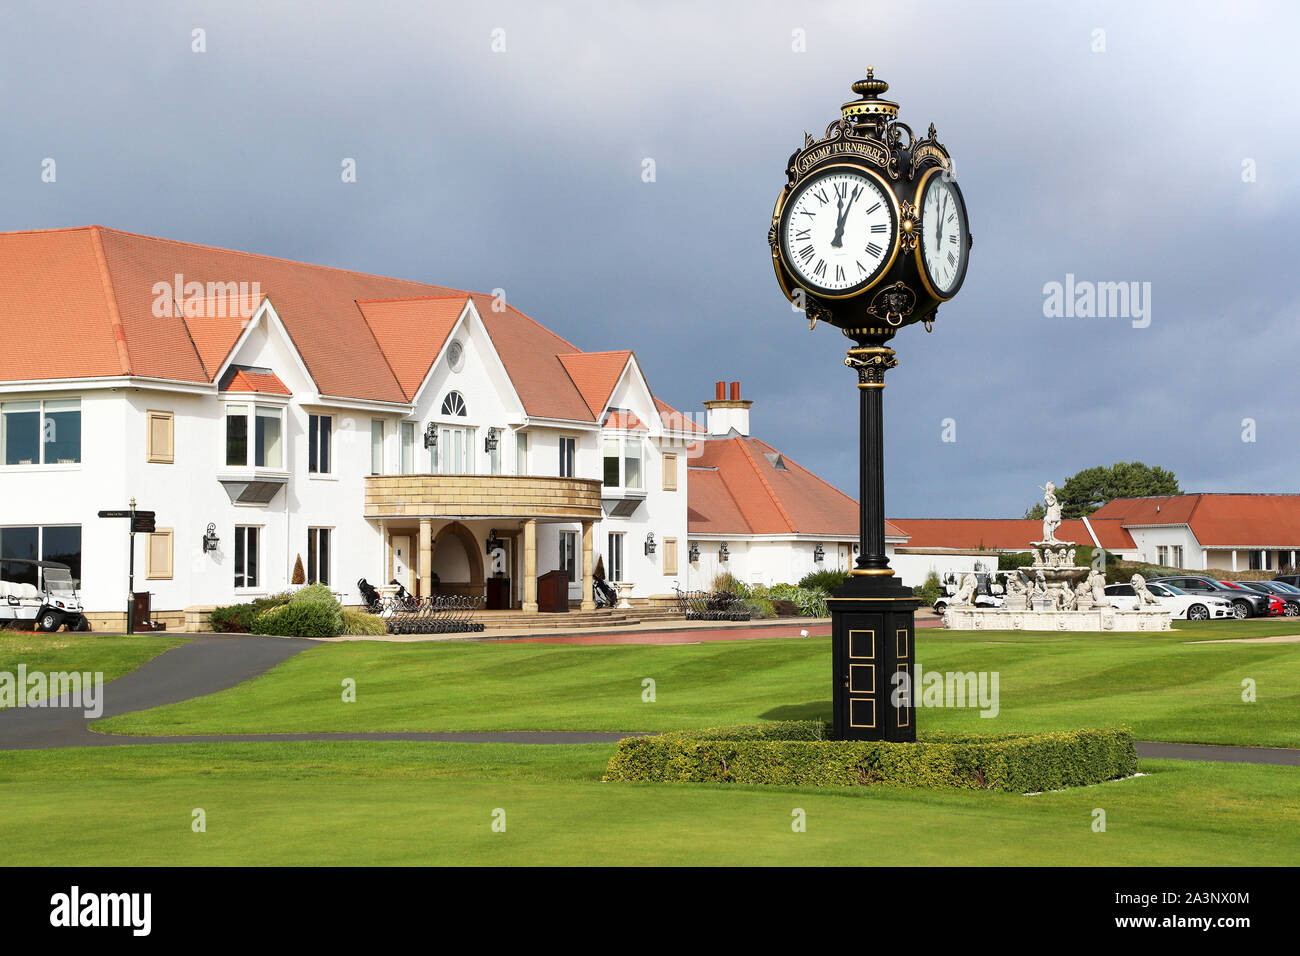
(211, 663)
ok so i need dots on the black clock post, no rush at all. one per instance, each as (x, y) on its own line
(869, 235)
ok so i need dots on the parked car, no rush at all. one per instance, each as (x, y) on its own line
(1290, 596)
(1276, 606)
(1245, 602)
(1193, 607)
(1292, 579)
(46, 608)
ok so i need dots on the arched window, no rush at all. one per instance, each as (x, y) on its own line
(454, 404)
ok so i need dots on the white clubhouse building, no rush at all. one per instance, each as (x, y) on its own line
(270, 412)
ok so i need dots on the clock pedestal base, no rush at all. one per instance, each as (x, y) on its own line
(873, 633)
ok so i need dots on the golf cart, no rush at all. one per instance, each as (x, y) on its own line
(988, 592)
(46, 610)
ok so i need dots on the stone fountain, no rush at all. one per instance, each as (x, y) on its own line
(1055, 594)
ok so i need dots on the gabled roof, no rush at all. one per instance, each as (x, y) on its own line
(1006, 534)
(627, 421)
(673, 420)
(249, 380)
(1217, 520)
(90, 302)
(531, 355)
(735, 488)
(595, 374)
(412, 332)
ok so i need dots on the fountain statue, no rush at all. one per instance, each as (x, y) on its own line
(1055, 594)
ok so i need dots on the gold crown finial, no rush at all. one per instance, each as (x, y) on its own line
(869, 91)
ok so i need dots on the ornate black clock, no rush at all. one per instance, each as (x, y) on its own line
(870, 234)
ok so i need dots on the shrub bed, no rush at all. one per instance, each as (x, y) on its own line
(797, 754)
(238, 618)
(300, 619)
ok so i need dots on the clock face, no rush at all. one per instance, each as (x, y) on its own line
(944, 246)
(839, 231)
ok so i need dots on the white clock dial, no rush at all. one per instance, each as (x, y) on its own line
(943, 235)
(840, 231)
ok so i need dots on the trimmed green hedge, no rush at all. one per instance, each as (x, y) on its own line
(797, 754)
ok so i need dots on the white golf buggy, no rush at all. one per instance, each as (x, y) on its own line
(45, 609)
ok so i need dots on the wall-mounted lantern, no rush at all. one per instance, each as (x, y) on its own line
(819, 554)
(693, 553)
(430, 435)
(723, 553)
(649, 543)
(490, 442)
(210, 539)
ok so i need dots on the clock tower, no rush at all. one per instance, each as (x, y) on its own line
(870, 235)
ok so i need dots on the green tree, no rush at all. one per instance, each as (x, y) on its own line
(1085, 492)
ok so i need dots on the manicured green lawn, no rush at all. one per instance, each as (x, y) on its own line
(1156, 683)
(305, 804)
(110, 654)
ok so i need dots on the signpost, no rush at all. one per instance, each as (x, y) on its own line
(142, 522)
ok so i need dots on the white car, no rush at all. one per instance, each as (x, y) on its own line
(1193, 607)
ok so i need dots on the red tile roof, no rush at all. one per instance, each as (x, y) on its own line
(595, 374)
(263, 382)
(736, 487)
(1005, 534)
(625, 420)
(1217, 520)
(673, 420)
(412, 332)
(111, 295)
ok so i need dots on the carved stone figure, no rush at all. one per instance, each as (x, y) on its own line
(1017, 596)
(1069, 559)
(1051, 520)
(1069, 602)
(1092, 592)
(1144, 597)
(965, 596)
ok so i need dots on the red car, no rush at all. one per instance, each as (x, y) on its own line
(1275, 604)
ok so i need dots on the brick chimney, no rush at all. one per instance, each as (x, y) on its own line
(728, 414)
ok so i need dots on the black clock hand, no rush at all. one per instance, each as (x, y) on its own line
(838, 241)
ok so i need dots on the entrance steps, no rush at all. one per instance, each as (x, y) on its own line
(575, 620)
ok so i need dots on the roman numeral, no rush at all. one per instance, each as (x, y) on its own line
(806, 254)
(874, 249)
(953, 237)
(820, 271)
(839, 273)
(803, 234)
(880, 227)
(841, 189)
(874, 208)
(951, 216)
(821, 194)
(952, 260)
(861, 268)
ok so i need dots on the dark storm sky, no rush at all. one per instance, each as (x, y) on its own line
(522, 170)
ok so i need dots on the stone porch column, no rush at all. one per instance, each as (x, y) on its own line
(426, 556)
(1234, 559)
(588, 567)
(530, 566)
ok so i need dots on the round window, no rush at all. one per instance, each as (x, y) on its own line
(456, 356)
